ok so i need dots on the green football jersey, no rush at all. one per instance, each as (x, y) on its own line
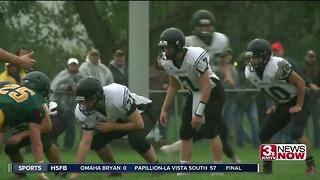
(20, 104)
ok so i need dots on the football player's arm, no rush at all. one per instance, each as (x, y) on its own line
(296, 80)
(202, 66)
(206, 85)
(25, 60)
(46, 123)
(171, 92)
(45, 126)
(36, 145)
(84, 145)
(83, 149)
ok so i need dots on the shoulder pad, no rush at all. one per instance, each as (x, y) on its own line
(284, 69)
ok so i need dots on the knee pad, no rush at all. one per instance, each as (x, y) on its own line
(186, 132)
(138, 144)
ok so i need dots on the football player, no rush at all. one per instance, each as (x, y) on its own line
(27, 103)
(215, 43)
(189, 67)
(205, 36)
(274, 75)
(18, 138)
(111, 112)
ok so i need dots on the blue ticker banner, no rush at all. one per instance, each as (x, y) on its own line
(132, 168)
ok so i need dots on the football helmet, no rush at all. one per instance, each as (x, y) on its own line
(202, 17)
(89, 92)
(258, 50)
(38, 82)
(171, 37)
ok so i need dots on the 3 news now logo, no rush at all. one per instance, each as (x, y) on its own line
(283, 151)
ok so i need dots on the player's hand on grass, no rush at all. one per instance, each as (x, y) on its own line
(295, 109)
(74, 176)
(271, 110)
(105, 126)
(42, 176)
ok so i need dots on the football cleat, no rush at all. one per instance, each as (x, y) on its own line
(169, 152)
(182, 174)
(311, 171)
(235, 159)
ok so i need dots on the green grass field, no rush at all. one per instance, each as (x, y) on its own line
(201, 153)
(123, 154)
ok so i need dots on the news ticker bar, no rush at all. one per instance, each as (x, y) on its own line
(131, 168)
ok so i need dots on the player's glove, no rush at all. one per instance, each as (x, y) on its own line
(53, 108)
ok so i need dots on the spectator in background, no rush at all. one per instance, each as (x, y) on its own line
(230, 108)
(119, 68)
(26, 60)
(12, 73)
(93, 67)
(278, 50)
(311, 73)
(246, 102)
(64, 88)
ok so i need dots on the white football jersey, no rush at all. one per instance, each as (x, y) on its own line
(119, 102)
(275, 80)
(195, 62)
(219, 44)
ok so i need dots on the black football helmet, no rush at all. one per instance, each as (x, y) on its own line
(89, 92)
(171, 37)
(38, 82)
(258, 48)
(202, 17)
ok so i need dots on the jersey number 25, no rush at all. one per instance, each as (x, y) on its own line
(17, 93)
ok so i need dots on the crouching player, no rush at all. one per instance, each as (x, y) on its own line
(27, 103)
(111, 112)
(274, 75)
(18, 138)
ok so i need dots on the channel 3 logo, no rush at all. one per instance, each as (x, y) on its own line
(268, 151)
(283, 152)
